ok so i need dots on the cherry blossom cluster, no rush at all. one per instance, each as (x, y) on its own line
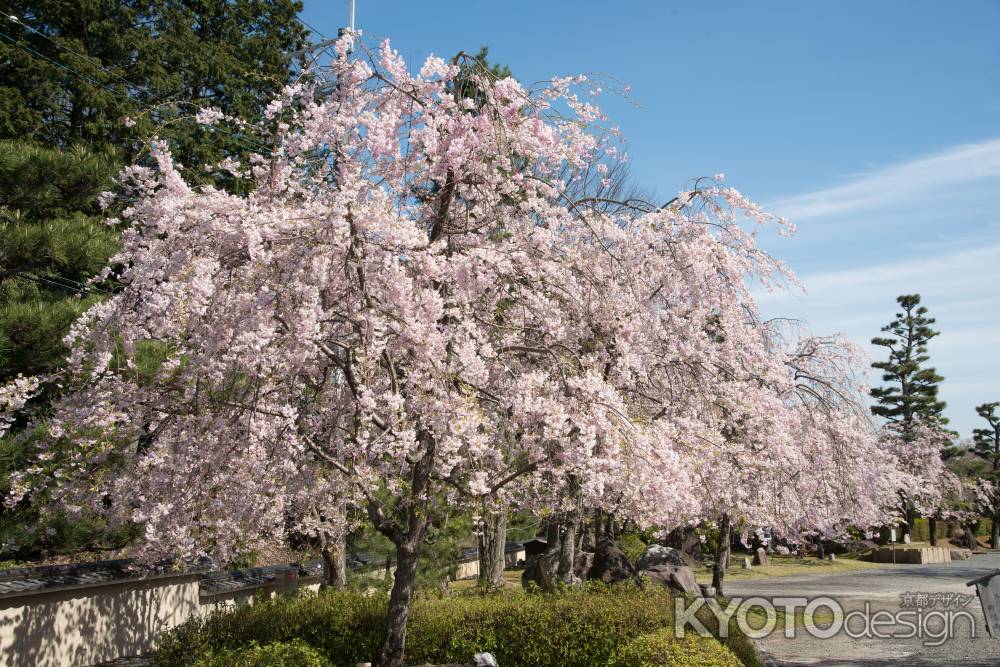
(418, 289)
(14, 396)
(923, 481)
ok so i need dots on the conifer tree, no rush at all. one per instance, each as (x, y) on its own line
(910, 394)
(83, 85)
(52, 240)
(103, 72)
(911, 390)
(986, 445)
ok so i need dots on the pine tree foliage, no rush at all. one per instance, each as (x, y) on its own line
(911, 390)
(84, 84)
(52, 240)
(986, 441)
(106, 72)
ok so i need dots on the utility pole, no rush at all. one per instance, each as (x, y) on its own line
(319, 46)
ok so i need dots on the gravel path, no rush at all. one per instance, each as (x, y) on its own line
(882, 589)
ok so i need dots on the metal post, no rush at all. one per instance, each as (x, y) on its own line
(988, 589)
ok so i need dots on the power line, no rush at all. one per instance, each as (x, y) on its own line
(17, 43)
(16, 20)
(82, 290)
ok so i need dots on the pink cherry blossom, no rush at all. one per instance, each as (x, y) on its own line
(419, 303)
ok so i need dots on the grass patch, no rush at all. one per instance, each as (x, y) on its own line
(787, 566)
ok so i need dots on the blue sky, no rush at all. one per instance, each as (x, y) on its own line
(873, 126)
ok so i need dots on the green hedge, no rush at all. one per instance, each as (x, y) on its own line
(279, 654)
(588, 625)
(662, 648)
(922, 530)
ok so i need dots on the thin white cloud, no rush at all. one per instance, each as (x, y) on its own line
(922, 178)
(938, 273)
(960, 290)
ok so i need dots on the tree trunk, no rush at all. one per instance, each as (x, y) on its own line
(970, 535)
(335, 564)
(932, 530)
(391, 653)
(721, 554)
(492, 543)
(567, 547)
(911, 517)
(820, 550)
(995, 530)
(598, 527)
(584, 535)
(408, 541)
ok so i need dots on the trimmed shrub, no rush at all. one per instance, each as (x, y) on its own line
(279, 654)
(344, 626)
(632, 545)
(662, 648)
(584, 625)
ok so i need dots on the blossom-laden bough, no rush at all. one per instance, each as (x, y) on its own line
(418, 305)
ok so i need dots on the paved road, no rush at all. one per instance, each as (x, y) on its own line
(883, 589)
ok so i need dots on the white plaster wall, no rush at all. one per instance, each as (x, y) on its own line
(90, 625)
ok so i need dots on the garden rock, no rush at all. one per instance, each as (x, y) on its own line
(760, 556)
(782, 550)
(688, 542)
(850, 547)
(484, 660)
(541, 571)
(478, 660)
(678, 577)
(656, 554)
(610, 564)
(961, 554)
(860, 546)
(582, 564)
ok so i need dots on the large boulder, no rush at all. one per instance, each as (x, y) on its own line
(541, 571)
(610, 564)
(656, 554)
(688, 542)
(760, 556)
(677, 577)
(861, 546)
(848, 546)
(582, 563)
(960, 554)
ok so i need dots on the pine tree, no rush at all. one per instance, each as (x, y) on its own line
(986, 445)
(911, 391)
(52, 240)
(73, 71)
(83, 85)
(986, 441)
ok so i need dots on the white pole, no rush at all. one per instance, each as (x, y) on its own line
(351, 22)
